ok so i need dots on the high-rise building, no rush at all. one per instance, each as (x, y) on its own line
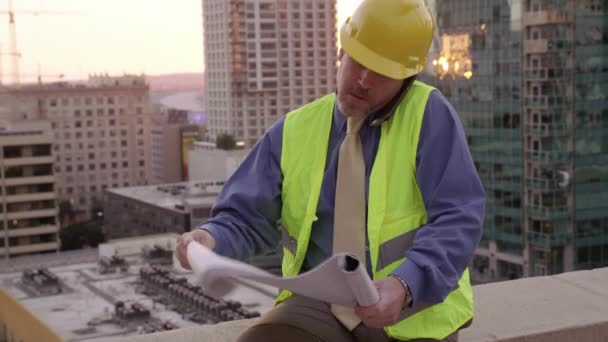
(264, 58)
(529, 80)
(29, 203)
(101, 134)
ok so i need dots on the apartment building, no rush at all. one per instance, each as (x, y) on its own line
(27, 183)
(264, 58)
(101, 133)
(529, 82)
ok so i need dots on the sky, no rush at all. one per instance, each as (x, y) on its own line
(75, 38)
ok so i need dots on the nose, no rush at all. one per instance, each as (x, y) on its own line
(367, 78)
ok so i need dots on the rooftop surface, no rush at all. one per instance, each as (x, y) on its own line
(83, 310)
(562, 308)
(169, 195)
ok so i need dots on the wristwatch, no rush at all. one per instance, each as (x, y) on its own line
(408, 294)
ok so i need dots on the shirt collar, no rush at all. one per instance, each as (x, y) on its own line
(375, 119)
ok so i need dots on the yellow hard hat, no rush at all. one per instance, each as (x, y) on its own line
(390, 37)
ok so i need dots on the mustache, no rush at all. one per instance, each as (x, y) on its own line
(359, 93)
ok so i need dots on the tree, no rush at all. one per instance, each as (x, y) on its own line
(66, 212)
(80, 235)
(97, 211)
(225, 142)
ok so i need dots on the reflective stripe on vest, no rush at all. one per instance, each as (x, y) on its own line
(395, 206)
(393, 249)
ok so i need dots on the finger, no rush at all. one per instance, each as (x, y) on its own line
(183, 259)
(183, 240)
(366, 313)
(201, 236)
(186, 239)
(180, 252)
(379, 284)
(204, 238)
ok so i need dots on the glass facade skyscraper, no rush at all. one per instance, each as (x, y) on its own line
(529, 80)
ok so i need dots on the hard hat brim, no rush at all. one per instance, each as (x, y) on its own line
(374, 61)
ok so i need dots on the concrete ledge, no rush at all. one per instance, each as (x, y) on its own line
(227, 331)
(566, 307)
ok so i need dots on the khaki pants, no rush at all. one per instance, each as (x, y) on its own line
(301, 319)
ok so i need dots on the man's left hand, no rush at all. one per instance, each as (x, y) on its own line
(386, 311)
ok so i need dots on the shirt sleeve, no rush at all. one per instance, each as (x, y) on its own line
(455, 202)
(244, 217)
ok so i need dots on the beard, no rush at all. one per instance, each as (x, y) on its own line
(351, 106)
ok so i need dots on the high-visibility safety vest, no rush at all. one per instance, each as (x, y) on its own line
(395, 206)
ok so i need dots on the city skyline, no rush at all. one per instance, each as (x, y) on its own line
(77, 38)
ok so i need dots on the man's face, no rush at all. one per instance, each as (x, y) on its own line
(362, 91)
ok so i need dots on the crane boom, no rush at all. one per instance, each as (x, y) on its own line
(13, 43)
(13, 50)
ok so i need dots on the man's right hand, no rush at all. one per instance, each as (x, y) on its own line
(199, 235)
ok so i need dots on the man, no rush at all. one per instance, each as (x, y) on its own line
(381, 170)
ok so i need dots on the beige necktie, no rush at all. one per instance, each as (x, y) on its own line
(350, 209)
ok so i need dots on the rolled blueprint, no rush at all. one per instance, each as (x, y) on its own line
(341, 279)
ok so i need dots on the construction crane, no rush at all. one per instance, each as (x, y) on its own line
(13, 51)
(5, 54)
(39, 77)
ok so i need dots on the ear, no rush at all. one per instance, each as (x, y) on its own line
(340, 55)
